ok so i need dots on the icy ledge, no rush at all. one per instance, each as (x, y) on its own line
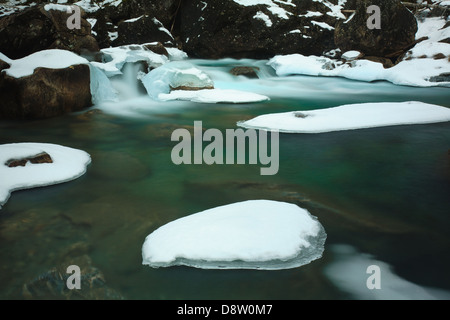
(257, 234)
(68, 164)
(350, 117)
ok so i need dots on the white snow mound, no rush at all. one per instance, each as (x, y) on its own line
(350, 117)
(257, 234)
(68, 164)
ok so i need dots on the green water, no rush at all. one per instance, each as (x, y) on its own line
(384, 191)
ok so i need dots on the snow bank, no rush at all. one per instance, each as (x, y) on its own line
(418, 67)
(348, 271)
(415, 72)
(350, 117)
(214, 96)
(259, 234)
(52, 59)
(68, 164)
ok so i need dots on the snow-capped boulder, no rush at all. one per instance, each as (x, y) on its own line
(45, 84)
(257, 234)
(258, 28)
(177, 75)
(44, 27)
(397, 32)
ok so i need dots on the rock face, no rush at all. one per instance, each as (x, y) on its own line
(37, 29)
(46, 93)
(143, 29)
(112, 18)
(235, 28)
(397, 33)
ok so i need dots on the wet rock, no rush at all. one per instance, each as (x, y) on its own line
(39, 158)
(397, 33)
(248, 72)
(443, 77)
(157, 48)
(46, 93)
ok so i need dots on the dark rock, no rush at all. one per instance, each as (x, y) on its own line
(46, 93)
(227, 29)
(142, 30)
(36, 29)
(39, 158)
(110, 16)
(439, 56)
(248, 72)
(157, 48)
(446, 40)
(397, 33)
(387, 63)
(444, 77)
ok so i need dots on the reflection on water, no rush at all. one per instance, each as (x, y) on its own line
(383, 191)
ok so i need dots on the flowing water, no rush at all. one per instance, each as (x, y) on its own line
(382, 192)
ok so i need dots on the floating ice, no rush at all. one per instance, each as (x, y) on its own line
(258, 234)
(350, 117)
(68, 164)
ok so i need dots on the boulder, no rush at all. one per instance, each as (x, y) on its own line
(234, 28)
(111, 15)
(143, 29)
(36, 29)
(46, 93)
(248, 72)
(397, 33)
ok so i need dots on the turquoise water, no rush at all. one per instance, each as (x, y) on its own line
(383, 191)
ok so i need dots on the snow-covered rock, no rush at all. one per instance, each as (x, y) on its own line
(416, 72)
(177, 75)
(350, 117)
(68, 164)
(258, 234)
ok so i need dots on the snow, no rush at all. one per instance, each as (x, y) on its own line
(56, 7)
(115, 58)
(173, 75)
(351, 117)
(264, 17)
(416, 69)
(176, 54)
(351, 55)
(52, 59)
(348, 271)
(214, 96)
(416, 72)
(68, 164)
(258, 234)
(322, 25)
(271, 6)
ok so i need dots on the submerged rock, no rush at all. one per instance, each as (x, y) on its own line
(248, 72)
(52, 284)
